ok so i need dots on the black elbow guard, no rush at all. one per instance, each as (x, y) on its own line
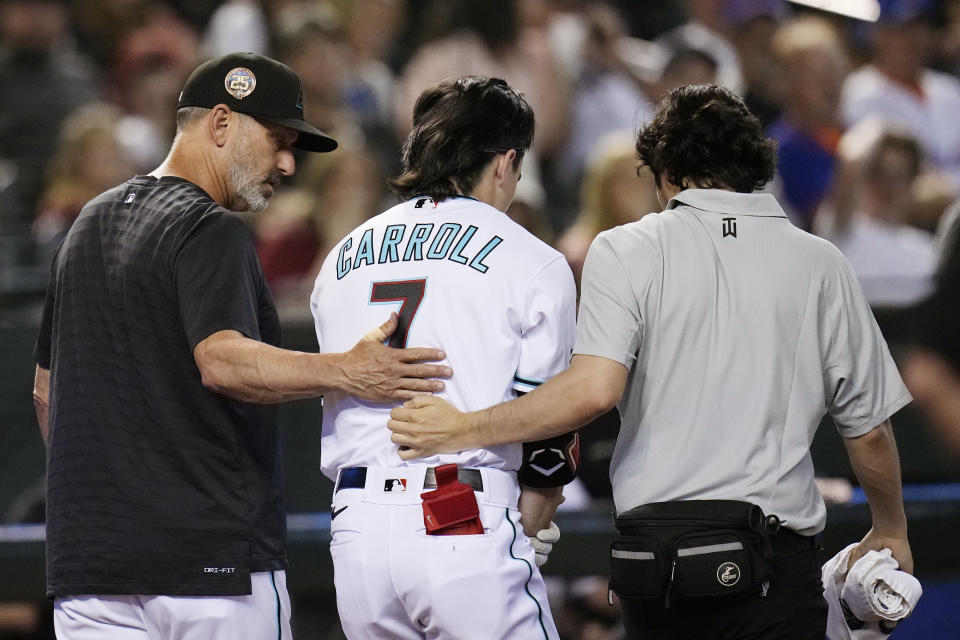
(552, 462)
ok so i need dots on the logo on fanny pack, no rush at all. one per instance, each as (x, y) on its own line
(728, 574)
(395, 484)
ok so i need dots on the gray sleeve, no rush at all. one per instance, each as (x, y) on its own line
(609, 323)
(863, 383)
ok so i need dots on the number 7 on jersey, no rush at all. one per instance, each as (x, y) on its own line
(409, 293)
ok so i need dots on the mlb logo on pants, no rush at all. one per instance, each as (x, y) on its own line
(395, 484)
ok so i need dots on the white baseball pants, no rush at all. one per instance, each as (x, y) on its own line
(262, 615)
(394, 581)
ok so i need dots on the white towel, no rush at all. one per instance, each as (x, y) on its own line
(869, 601)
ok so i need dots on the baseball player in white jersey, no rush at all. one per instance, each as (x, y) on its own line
(464, 277)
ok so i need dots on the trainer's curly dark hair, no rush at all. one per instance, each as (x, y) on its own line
(704, 136)
(458, 127)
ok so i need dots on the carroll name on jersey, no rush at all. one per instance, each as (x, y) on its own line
(422, 241)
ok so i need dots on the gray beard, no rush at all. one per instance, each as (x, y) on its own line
(247, 184)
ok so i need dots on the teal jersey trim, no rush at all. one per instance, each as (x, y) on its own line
(527, 381)
(526, 585)
(276, 594)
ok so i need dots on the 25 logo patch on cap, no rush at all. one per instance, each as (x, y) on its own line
(240, 82)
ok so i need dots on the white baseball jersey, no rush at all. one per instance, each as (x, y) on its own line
(464, 278)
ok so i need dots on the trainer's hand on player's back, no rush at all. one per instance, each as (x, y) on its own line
(372, 371)
(428, 425)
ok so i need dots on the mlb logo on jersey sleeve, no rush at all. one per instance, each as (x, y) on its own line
(395, 485)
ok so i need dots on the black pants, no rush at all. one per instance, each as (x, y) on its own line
(794, 609)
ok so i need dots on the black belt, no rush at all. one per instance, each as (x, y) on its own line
(786, 542)
(356, 478)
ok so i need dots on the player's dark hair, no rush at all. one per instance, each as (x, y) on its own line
(704, 136)
(458, 127)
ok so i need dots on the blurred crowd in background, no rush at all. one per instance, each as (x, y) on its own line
(866, 113)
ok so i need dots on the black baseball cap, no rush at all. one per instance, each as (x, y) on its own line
(257, 86)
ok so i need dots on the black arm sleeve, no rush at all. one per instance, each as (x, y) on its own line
(552, 462)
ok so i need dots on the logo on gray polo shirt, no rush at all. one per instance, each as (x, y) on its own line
(729, 227)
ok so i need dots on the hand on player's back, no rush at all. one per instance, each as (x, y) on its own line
(426, 426)
(375, 372)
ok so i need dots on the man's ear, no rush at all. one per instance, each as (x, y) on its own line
(505, 164)
(219, 121)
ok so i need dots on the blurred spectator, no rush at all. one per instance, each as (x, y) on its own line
(611, 195)
(529, 202)
(89, 159)
(489, 40)
(44, 78)
(656, 17)
(566, 25)
(685, 66)
(949, 53)
(894, 262)
(338, 48)
(236, 25)
(371, 28)
(100, 24)
(348, 89)
(13, 216)
(751, 25)
(426, 20)
(311, 41)
(932, 368)
(932, 193)
(814, 64)
(898, 86)
(335, 194)
(705, 31)
(606, 97)
(150, 65)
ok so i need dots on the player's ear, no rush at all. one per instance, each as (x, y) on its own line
(505, 164)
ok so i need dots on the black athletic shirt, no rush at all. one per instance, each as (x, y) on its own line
(156, 485)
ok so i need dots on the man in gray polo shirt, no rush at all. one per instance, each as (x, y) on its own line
(723, 333)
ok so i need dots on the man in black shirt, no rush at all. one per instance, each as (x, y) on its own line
(157, 372)
(931, 368)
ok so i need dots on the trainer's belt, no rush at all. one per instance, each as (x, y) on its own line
(356, 478)
(786, 542)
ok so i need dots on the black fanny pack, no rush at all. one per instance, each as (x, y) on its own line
(691, 549)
